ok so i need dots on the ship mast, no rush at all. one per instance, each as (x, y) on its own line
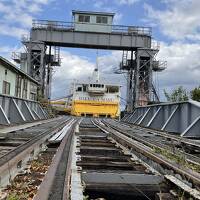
(96, 70)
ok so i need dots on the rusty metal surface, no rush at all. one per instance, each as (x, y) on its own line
(36, 138)
(107, 170)
(56, 179)
(141, 148)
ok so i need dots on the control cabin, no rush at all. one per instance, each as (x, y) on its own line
(93, 21)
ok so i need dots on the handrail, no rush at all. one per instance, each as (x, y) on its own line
(69, 26)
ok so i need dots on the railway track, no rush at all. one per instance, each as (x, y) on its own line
(20, 145)
(109, 171)
(104, 159)
(90, 164)
(56, 182)
(167, 166)
(188, 150)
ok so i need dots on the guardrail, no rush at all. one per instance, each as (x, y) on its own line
(18, 110)
(69, 26)
(179, 117)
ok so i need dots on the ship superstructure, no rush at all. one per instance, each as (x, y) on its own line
(95, 98)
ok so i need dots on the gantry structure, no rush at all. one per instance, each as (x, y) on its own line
(93, 30)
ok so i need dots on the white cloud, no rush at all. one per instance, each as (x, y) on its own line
(12, 31)
(99, 4)
(117, 18)
(180, 20)
(183, 67)
(80, 68)
(16, 16)
(127, 2)
(72, 67)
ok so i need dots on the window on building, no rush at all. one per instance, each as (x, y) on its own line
(25, 88)
(102, 20)
(18, 86)
(6, 88)
(84, 18)
(33, 92)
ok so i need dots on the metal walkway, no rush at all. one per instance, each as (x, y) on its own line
(63, 34)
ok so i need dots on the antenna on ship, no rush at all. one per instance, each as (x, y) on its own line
(96, 70)
(97, 61)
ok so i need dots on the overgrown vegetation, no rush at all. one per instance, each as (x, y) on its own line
(178, 157)
(181, 94)
(178, 94)
(195, 94)
(15, 196)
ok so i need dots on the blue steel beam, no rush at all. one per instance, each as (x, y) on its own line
(18, 110)
(182, 118)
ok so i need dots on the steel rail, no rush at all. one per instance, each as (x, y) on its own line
(147, 152)
(165, 134)
(8, 129)
(155, 144)
(55, 184)
(19, 149)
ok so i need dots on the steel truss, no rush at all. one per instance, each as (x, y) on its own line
(17, 110)
(182, 118)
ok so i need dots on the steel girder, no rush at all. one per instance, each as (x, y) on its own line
(17, 110)
(180, 117)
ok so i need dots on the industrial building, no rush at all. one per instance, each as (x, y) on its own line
(15, 82)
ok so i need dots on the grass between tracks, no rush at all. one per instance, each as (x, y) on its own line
(177, 157)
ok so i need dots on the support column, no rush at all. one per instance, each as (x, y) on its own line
(143, 81)
(36, 63)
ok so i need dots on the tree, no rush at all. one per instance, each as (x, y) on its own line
(195, 94)
(177, 95)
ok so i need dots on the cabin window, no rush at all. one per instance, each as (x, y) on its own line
(101, 20)
(79, 89)
(113, 89)
(84, 18)
(6, 87)
(84, 88)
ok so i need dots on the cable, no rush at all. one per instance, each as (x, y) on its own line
(140, 191)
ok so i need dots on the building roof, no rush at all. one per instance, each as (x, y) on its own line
(92, 13)
(15, 69)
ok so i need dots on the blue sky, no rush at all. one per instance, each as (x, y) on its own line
(175, 23)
